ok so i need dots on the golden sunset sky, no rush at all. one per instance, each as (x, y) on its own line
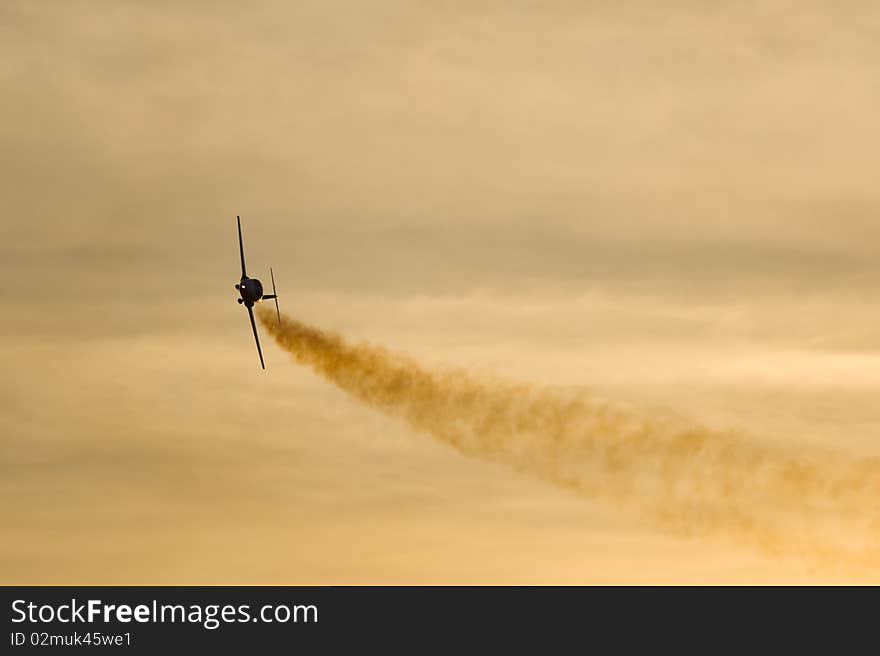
(669, 204)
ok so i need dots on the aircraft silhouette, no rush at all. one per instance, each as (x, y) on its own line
(251, 291)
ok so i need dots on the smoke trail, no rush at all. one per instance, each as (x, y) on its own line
(690, 479)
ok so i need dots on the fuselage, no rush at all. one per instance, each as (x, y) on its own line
(250, 290)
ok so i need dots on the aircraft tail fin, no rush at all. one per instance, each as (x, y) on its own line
(275, 295)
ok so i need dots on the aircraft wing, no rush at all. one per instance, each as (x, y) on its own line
(256, 336)
(241, 249)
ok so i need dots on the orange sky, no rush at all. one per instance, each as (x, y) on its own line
(671, 206)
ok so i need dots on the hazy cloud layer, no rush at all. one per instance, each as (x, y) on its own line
(674, 205)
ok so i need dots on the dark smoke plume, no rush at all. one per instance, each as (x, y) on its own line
(689, 479)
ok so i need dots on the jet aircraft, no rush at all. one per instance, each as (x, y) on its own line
(251, 292)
